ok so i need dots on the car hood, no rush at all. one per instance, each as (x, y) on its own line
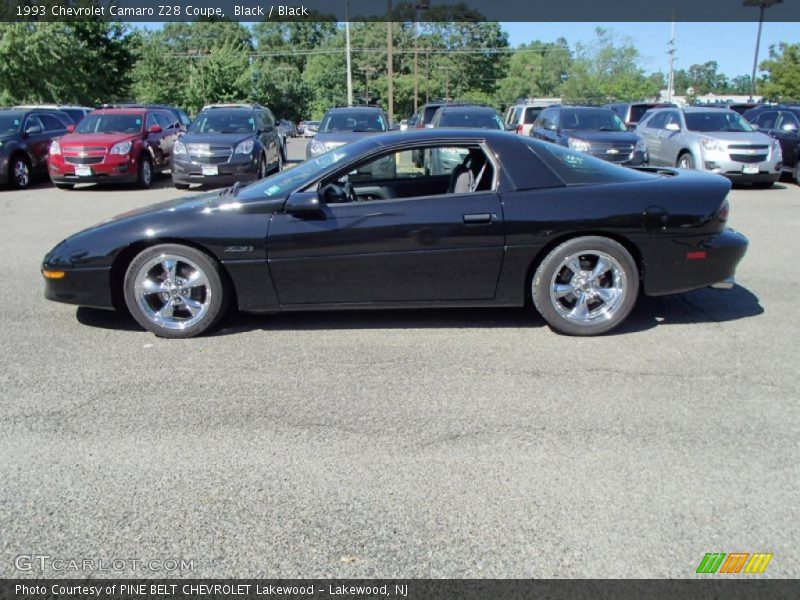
(216, 139)
(340, 138)
(97, 139)
(602, 136)
(735, 137)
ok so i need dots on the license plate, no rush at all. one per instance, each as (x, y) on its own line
(83, 170)
(750, 169)
(210, 170)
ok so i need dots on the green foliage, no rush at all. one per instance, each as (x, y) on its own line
(783, 73)
(537, 69)
(607, 70)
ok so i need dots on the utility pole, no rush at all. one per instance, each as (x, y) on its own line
(390, 60)
(349, 60)
(419, 6)
(671, 52)
(762, 5)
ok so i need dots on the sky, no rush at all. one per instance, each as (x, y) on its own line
(732, 45)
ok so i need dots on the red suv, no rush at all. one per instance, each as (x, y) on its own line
(125, 145)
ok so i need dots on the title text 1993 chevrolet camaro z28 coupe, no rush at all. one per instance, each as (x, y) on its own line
(434, 218)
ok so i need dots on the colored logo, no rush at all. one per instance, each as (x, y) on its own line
(736, 562)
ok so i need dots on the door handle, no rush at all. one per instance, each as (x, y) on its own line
(478, 219)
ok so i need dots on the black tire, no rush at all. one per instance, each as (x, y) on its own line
(19, 172)
(685, 161)
(144, 177)
(181, 186)
(622, 275)
(65, 186)
(797, 173)
(283, 153)
(144, 307)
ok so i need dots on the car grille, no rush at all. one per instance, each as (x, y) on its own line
(206, 154)
(749, 153)
(83, 160)
(612, 152)
(84, 155)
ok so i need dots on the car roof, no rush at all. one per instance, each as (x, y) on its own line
(467, 107)
(445, 134)
(583, 108)
(125, 111)
(355, 109)
(700, 109)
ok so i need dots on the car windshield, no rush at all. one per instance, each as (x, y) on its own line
(291, 179)
(592, 120)
(716, 120)
(9, 124)
(111, 124)
(472, 119)
(357, 121)
(216, 121)
(578, 168)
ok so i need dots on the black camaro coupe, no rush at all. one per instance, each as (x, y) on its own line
(484, 219)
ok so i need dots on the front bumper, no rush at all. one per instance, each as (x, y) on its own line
(187, 171)
(767, 170)
(115, 168)
(684, 264)
(83, 287)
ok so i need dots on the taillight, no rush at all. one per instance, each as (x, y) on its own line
(724, 210)
(519, 129)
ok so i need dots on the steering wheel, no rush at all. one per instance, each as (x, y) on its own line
(350, 192)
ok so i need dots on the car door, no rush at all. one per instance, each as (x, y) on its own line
(672, 138)
(271, 136)
(787, 132)
(652, 132)
(54, 128)
(169, 135)
(37, 140)
(421, 247)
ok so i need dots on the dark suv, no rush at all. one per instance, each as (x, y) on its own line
(225, 144)
(596, 131)
(25, 136)
(781, 122)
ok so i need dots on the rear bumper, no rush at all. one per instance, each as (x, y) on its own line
(84, 287)
(685, 264)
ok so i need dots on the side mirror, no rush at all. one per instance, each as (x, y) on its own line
(155, 129)
(673, 127)
(70, 128)
(304, 204)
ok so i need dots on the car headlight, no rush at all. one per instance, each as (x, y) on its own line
(579, 145)
(179, 148)
(55, 147)
(640, 146)
(121, 148)
(317, 147)
(712, 145)
(245, 147)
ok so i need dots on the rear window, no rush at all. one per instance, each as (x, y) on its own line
(429, 112)
(577, 168)
(637, 110)
(531, 114)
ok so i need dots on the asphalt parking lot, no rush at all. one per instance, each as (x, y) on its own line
(459, 443)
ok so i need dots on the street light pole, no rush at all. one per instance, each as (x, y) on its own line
(762, 6)
(390, 60)
(349, 60)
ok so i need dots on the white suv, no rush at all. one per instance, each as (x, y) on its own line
(520, 116)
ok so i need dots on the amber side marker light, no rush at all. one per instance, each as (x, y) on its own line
(53, 274)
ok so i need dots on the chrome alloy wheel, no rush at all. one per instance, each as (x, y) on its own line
(22, 174)
(147, 173)
(172, 291)
(588, 287)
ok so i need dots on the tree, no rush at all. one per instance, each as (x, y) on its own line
(537, 69)
(705, 79)
(607, 69)
(783, 73)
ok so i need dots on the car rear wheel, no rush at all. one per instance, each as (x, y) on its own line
(175, 291)
(145, 177)
(586, 286)
(20, 172)
(685, 161)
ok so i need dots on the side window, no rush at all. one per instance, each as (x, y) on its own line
(444, 170)
(674, 119)
(269, 119)
(767, 120)
(261, 121)
(165, 121)
(33, 121)
(515, 115)
(151, 120)
(788, 122)
(51, 123)
(658, 121)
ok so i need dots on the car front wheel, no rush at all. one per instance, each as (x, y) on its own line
(586, 286)
(174, 291)
(686, 161)
(20, 172)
